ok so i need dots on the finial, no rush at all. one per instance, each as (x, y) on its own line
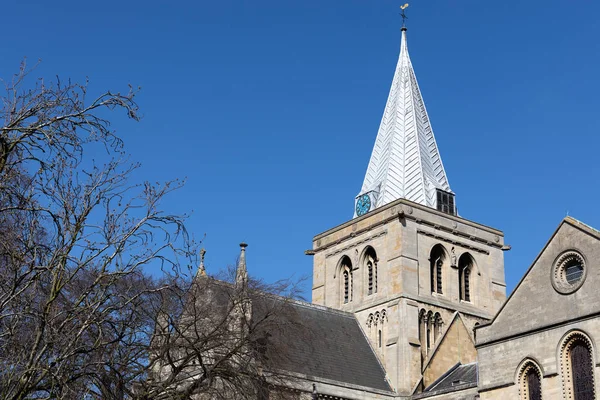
(241, 275)
(403, 15)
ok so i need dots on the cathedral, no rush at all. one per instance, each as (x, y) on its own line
(410, 298)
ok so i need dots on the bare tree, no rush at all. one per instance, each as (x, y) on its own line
(81, 314)
(225, 339)
(77, 236)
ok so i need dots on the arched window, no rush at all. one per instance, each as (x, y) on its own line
(436, 262)
(346, 268)
(578, 367)
(370, 269)
(465, 267)
(530, 382)
(534, 385)
(370, 261)
(346, 286)
(582, 371)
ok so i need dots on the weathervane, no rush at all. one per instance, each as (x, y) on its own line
(403, 15)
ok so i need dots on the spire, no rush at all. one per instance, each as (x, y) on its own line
(241, 274)
(405, 162)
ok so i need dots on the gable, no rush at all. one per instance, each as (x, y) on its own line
(537, 302)
(455, 347)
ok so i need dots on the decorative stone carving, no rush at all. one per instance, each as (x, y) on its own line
(453, 258)
(569, 272)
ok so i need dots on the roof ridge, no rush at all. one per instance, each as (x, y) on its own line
(320, 307)
(575, 221)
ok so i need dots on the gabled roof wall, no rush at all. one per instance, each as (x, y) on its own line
(527, 308)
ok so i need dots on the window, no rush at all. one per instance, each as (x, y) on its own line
(569, 272)
(530, 382)
(573, 272)
(379, 338)
(534, 385)
(465, 265)
(578, 367)
(370, 268)
(370, 262)
(346, 286)
(445, 202)
(436, 263)
(582, 371)
(346, 281)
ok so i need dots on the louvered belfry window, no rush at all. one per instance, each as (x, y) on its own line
(445, 202)
(534, 387)
(370, 267)
(467, 294)
(346, 286)
(582, 372)
(439, 275)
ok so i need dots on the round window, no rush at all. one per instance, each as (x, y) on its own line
(569, 272)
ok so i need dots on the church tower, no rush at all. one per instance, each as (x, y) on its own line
(408, 267)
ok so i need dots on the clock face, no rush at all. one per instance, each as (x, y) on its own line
(363, 205)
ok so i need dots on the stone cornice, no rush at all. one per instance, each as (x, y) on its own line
(414, 205)
(532, 331)
(455, 242)
(401, 214)
(364, 240)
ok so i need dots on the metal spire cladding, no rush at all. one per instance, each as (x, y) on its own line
(405, 162)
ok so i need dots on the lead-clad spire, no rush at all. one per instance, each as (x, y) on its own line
(405, 162)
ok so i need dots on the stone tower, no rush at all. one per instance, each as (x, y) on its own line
(407, 265)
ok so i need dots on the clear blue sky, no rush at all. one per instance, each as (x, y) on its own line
(270, 108)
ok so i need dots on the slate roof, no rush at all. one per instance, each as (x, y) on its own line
(311, 340)
(457, 378)
(333, 347)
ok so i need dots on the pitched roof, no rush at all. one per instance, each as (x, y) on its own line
(457, 378)
(405, 162)
(307, 339)
(331, 346)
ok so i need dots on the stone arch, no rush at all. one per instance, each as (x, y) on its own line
(345, 272)
(466, 277)
(437, 326)
(429, 331)
(438, 256)
(529, 389)
(422, 329)
(572, 339)
(369, 261)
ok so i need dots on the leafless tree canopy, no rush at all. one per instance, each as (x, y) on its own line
(81, 316)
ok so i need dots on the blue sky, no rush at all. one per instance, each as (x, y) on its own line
(270, 108)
